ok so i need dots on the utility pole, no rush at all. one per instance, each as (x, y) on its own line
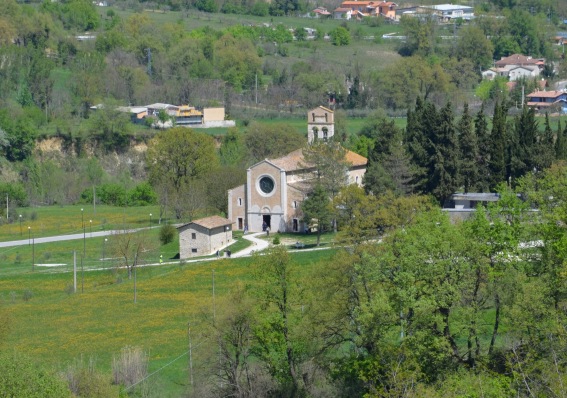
(74, 271)
(256, 85)
(190, 353)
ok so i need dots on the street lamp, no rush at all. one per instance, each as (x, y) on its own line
(29, 236)
(150, 220)
(33, 254)
(103, 247)
(20, 225)
(84, 233)
(91, 224)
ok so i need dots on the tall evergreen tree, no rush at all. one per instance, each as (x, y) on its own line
(561, 143)
(497, 162)
(483, 138)
(544, 151)
(446, 176)
(418, 147)
(527, 131)
(468, 144)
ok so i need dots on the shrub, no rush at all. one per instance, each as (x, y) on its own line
(20, 377)
(166, 234)
(27, 295)
(276, 240)
(130, 367)
(86, 381)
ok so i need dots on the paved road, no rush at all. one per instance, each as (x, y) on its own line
(257, 245)
(61, 238)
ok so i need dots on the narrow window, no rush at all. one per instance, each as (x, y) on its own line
(294, 204)
(193, 250)
(193, 235)
(313, 116)
(239, 201)
(325, 133)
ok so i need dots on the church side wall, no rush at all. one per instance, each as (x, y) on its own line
(237, 206)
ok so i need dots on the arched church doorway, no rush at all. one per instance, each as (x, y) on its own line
(266, 221)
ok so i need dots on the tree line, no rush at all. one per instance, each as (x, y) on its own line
(413, 305)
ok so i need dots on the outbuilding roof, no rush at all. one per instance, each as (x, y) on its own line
(209, 222)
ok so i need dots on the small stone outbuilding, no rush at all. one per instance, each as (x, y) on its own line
(204, 236)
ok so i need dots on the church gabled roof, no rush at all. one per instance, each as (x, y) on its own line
(295, 161)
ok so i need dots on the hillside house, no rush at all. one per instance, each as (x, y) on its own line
(553, 101)
(387, 9)
(343, 13)
(204, 237)
(442, 13)
(188, 115)
(520, 60)
(275, 188)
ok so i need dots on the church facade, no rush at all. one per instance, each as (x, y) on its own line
(275, 188)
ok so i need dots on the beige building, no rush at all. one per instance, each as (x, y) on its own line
(320, 124)
(204, 236)
(275, 188)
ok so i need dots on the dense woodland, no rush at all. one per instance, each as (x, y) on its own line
(412, 305)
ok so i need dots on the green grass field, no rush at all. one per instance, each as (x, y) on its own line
(56, 327)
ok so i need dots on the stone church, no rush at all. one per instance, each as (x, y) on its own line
(275, 188)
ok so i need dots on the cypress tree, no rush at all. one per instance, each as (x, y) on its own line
(561, 143)
(527, 132)
(497, 162)
(544, 152)
(468, 144)
(483, 139)
(418, 146)
(446, 177)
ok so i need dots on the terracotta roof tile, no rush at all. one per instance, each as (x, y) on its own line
(295, 160)
(210, 222)
(546, 94)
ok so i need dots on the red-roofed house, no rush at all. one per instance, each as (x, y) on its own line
(548, 100)
(275, 188)
(520, 60)
(387, 9)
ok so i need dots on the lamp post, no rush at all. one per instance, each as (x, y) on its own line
(84, 234)
(29, 236)
(20, 225)
(91, 224)
(103, 247)
(150, 220)
(33, 254)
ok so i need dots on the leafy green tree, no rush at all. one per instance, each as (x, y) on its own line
(206, 5)
(340, 36)
(409, 78)
(316, 209)
(81, 15)
(237, 61)
(279, 294)
(473, 44)
(110, 127)
(419, 34)
(20, 377)
(263, 141)
(176, 159)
